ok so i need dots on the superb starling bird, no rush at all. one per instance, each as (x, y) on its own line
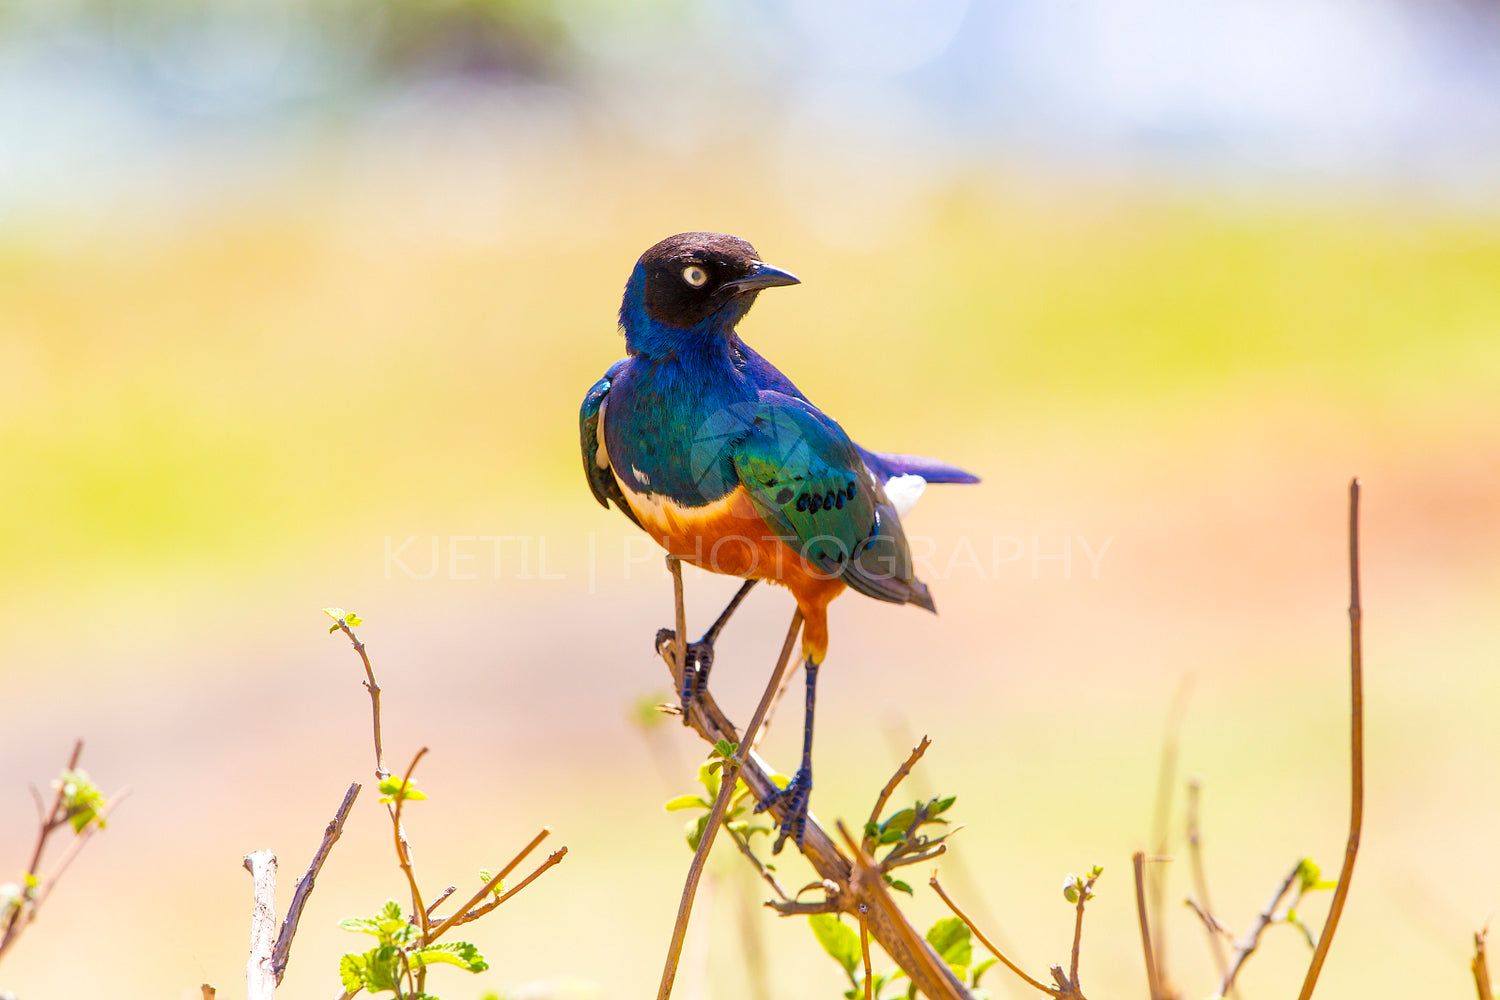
(719, 457)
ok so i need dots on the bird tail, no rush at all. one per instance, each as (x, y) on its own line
(882, 567)
(888, 465)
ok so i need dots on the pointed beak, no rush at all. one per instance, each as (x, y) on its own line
(761, 276)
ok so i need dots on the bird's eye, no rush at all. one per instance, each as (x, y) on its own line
(694, 275)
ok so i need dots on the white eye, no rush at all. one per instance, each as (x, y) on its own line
(694, 275)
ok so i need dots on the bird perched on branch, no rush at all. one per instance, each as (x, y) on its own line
(715, 453)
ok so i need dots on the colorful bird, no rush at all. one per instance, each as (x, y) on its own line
(719, 457)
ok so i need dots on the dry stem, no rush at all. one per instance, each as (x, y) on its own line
(1153, 976)
(1200, 882)
(1252, 939)
(283, 950)
(1012, 966)
(260, 977)
(1356, 753)
(485, 889)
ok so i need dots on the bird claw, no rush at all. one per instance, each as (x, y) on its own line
(793, 798)
(699, 659)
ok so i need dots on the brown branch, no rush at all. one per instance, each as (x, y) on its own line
(1252, 940)
(552, 859)
(1083, 898)
(760, 868)
(440, 898)
(403, 847)
(1210, 922)
(868, 843)
(260, 978)
(973, 928)
(331, 833)
(487, 888)
(1153, 976)
(864, 948)
(883, 917)
(1200, 881)
(374, 689)
(728, 776)
(1356, 753)
(1480, 966)
(47, 822)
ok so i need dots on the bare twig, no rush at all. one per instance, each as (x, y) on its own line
(1153, 976)
(864, 948)
(1210, 922)
(283, 951)
(1480, 965)
(1012, 966)
(1083, 898)
(552, 859)
(374, 689)
(868, 842)
(1200, 882)
(1356, 753)
(760, 868)
(260, 977)
(403, 847)
(487, 888)
(1251, 940)
(1166, 783)
(728, 778)
(440, 898)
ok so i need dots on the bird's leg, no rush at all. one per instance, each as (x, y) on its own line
(793, 798)
(700, 654)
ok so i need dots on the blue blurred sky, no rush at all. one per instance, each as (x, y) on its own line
(101, 100)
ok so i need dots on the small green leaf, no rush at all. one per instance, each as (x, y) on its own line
(82, 802)
(459, 953)
(980, 970)
(1071, 885)
(839, 941)
(337, 614)
(725, 748)
(898, 885)
(951, 939)
(497, 886)
(941, 806)
(872, 830)
(383, 968)
(687, 802)
(352, 972)
(393, 788)
(694, 830)
(353, 619)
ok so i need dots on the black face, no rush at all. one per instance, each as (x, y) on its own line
(687, 274)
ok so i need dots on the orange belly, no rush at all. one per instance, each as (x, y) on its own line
(729, 537)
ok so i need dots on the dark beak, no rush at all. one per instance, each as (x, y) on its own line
(760, 276)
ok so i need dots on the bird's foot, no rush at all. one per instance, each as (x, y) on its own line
(699, 659)
(793, 801)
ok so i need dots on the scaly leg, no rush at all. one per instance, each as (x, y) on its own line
(794, 797)
(700, 654)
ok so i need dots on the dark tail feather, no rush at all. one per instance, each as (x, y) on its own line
(888, 466)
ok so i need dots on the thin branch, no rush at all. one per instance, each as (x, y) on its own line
(891, 864)
(887, 924)
(440, 898)
(728, 779)
(760, 868)
(1210, 922)
(1012, 966)
(331, 833)
(868, 843)
(1356, 753)
(1200, 881)
(74, 848)
(1166, 784)
(47, 822)
(1480, 965)
(1083, 898)
(403, 848)
(260, 978)
(374, 689)
(487, 889)
(1153, 976)
(552, 859)
(1252, 940)
(864, 947)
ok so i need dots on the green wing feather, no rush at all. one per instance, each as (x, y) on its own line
(600, 475)
(812, 487)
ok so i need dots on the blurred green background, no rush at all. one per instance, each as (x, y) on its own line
(297, 304)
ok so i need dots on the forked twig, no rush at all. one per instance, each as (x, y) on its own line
(868, 842)
(486, 889)
(1251, 940)
(1204, 907)
(1356, 753)
(552, 859)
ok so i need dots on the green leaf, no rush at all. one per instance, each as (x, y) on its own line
(337, 614)
(951, 939)
(459, 953)
(82, 801)
(725, 748)
(1071, 886)
(687, 802)
(353, 619)
(941, 806)
(497, 886)
(841, 942)
(980, 970)
(383, 968)
(898, 885)
(872, 830)
(694, 830)
(352, 972)
(393, 788)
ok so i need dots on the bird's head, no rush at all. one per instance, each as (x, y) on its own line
(691, 283)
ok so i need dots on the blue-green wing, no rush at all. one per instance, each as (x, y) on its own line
(596, 466)
(812, 487)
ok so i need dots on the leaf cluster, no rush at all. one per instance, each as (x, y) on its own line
(398, 954)
(902, 832)
(950, 938)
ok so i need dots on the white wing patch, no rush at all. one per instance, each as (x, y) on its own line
(601, 457)
(903, 492)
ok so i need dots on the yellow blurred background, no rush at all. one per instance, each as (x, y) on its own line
(248, 371)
